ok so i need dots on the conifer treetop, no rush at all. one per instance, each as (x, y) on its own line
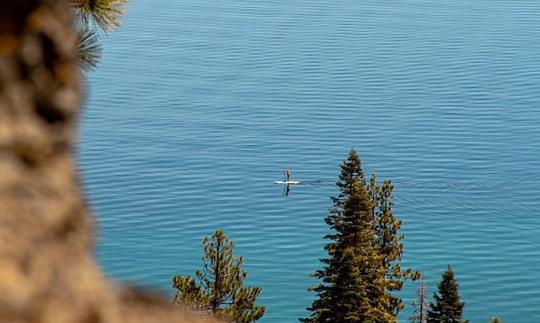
(218, 288)
(351, 172)
(364, 250)
(448, 307)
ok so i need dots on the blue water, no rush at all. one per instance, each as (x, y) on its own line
(197, 107)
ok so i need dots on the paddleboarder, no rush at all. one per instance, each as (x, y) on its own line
(287, 175)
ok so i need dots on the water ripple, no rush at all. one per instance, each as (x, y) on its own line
(198, 106)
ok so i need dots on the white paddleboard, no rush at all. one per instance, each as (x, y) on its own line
(287, 182)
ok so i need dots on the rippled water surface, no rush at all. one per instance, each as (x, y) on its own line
(197, 107)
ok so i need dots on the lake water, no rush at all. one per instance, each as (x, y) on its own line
(197, 107)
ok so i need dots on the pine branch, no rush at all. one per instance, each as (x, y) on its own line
(88, 49)
(102, 13)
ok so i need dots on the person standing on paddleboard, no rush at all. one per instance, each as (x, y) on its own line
(287, 175)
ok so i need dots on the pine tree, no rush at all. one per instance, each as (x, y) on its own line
(360, 271)
(421, 304)
(219, 287)
(389, 241)
(362, 259)
(322, 308)
(448, 308)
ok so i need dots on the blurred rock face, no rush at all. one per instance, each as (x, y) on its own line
(47, 273)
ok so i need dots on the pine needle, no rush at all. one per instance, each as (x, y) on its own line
(88, 49)
(103, 13)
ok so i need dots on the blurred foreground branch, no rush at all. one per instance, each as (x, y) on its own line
(47, 272)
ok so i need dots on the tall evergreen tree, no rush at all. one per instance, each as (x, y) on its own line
(448, 308)
(219, 289)
(389, 240)
(421, 304)
(359, 273)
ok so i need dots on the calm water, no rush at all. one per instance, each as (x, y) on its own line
(197, 108)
